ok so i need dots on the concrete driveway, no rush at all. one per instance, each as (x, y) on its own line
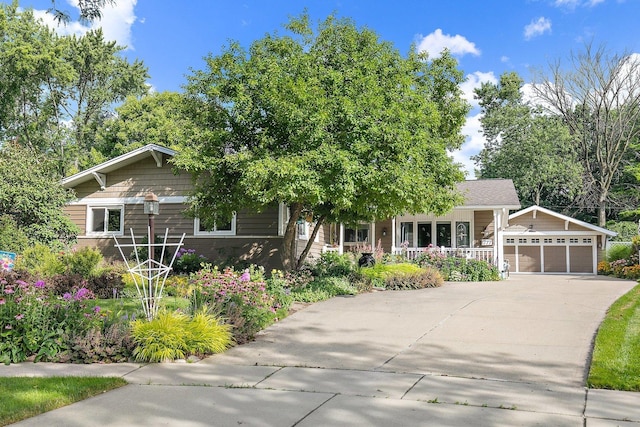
(484, 354)
(529, 328)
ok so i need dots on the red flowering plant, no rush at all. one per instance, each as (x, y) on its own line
(241, 297)
(33, 320)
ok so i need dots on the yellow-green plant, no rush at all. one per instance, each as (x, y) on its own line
(205, 334)
(173, 335)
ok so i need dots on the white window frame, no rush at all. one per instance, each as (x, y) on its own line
(307, 228)
(214, 232)
(107, 208)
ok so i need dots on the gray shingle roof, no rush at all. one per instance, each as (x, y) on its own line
(489, 193)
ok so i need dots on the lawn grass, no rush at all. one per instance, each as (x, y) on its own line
(25, 397)
(616, 357)
(131, 306)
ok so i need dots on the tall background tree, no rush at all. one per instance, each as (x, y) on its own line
(531, 148)
(330, 121)
(598, 98)
(158, 118)
(56, 91)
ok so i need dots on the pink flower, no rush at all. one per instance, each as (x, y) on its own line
(8, 327)
(40, 284)
(9, 291)
(19, 316)
(2, 301)
(96, 309)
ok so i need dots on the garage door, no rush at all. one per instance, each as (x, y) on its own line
(553, 256)
(529, 259)
(555, 259)
(580, 259)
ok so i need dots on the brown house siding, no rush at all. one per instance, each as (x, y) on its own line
(136, 180)
(482, 220)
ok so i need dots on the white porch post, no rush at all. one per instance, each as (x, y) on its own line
(393, 235)
(499, 244)
(341, 240)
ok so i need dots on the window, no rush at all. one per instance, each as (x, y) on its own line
(215, 229)
(511, 240)
(443, 234)
(406, 233)
(305, 228)
(559, 240)
(462, 235)
(586, 240)
(548, 240)
(573, 240)
(535, 240)
(105, 220)
(358, 234)
(424, 234)
(522, 240)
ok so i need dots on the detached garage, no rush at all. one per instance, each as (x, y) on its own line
(539, 240)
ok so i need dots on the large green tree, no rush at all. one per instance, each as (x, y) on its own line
(56, 91)
(532, 149)
(159, 118)
(31, 197)
(329, 120)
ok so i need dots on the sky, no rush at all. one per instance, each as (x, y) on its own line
(487, 37)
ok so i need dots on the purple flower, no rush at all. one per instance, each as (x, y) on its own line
(40, 284)
(245, 277)
(9, 291)
(67, 296)
(96, 309)
(83, 293)
(19, 316)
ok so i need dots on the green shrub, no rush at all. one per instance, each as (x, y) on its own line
(324, 288)
(619, 252)
(84, 261)
(187, 261)
(41, 261)
(173, 335)
(12, 237)
(332, 264)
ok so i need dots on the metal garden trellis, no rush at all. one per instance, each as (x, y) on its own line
(149, 275)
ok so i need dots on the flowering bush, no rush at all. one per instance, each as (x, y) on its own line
(242, 298)
(33, 320)
(622, 268)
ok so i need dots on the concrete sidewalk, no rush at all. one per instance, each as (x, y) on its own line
(512, 353)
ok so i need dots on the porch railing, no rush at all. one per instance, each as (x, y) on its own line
(479, 254)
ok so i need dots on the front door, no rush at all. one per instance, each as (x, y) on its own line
(424, 234)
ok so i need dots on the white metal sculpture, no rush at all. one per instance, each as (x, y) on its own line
(149, 275)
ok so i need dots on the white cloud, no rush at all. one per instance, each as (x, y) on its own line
(116, 22)
(572, 4)
(474, 142)
(536, 28)
(436, 42)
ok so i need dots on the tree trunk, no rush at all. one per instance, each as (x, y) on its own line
(312, 238)
(602, 213)
(289, 255)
